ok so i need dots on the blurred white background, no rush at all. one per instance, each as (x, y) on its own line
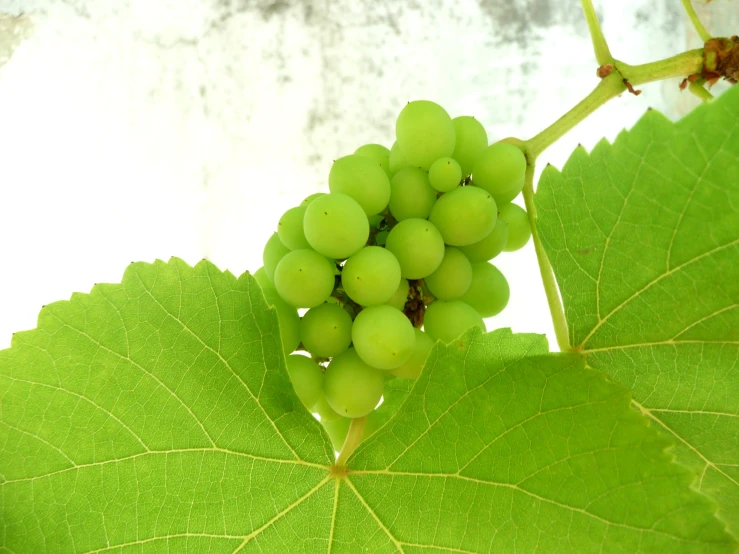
(143, 129)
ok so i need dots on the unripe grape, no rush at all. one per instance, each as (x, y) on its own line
(446, 321)
(396, 160)
(311, 198)
(500, 170)
(290, 229)
(363, 179)
(418, 246)
(452, 278)
(383, 337)
(306, 377)
(326, 412)
(352, 387)
(375, 220)
(336, 226)
(378, 153)
(425, 133)
(337, 430)
(273, 252)
(445, 174)
(287, 316)
(519, 229)
(371, 276)
(412, 368)
(326, 330)
(471, 141)
(304, 278)
(400, 296)
(464, 216)
(489, 291)
(490, 246)
(411, 195)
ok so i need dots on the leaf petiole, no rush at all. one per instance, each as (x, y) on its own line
(353, 438)
(600, 46)
(545, 268)
(700, 29)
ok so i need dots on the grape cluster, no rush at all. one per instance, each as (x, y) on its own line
(402, 242)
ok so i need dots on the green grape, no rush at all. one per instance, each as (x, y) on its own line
(400, 296)
(337, 430)
(273, 252)
(373, 423)
(323, 409)
(500, 170)
(453, 277)
(352, 387)
(363, 179)
(336, 225)
(306, 377)
(519, 230)
(290, 229)
(381, 238)
(412, 368)
(376, 220)
(383, 337)
(508, 197)
(411, 195)
(376, 152)
(287, 316)
(445, 174)
(371, 276)
(311, 198)
(419, 247)
(490, 246)
(397, 160)
(464, 216)
(471, 142)
(326, 330)
(260, 275)
(445, 321)
(304, 278)
(425, 133)
(489, 292)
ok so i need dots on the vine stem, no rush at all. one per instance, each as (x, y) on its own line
(353, 438)
(621, 78)
(545, 268)
(682, 65)
(608, 88)
(600, 46)
(700, 29)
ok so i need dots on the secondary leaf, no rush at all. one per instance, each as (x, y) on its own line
(157, 413)
(502, 448)
(643, 236)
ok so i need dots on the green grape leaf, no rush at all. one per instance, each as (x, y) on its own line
(643, 236)
(157, 414)
(396, 391)
(501, 447)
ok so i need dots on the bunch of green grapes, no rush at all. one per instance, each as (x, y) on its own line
(395, 257)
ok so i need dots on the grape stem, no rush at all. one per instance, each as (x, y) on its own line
(600, 46)
(353, 438)
(700, 29)
(621, 77)
(545, 268)
(700, 91)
